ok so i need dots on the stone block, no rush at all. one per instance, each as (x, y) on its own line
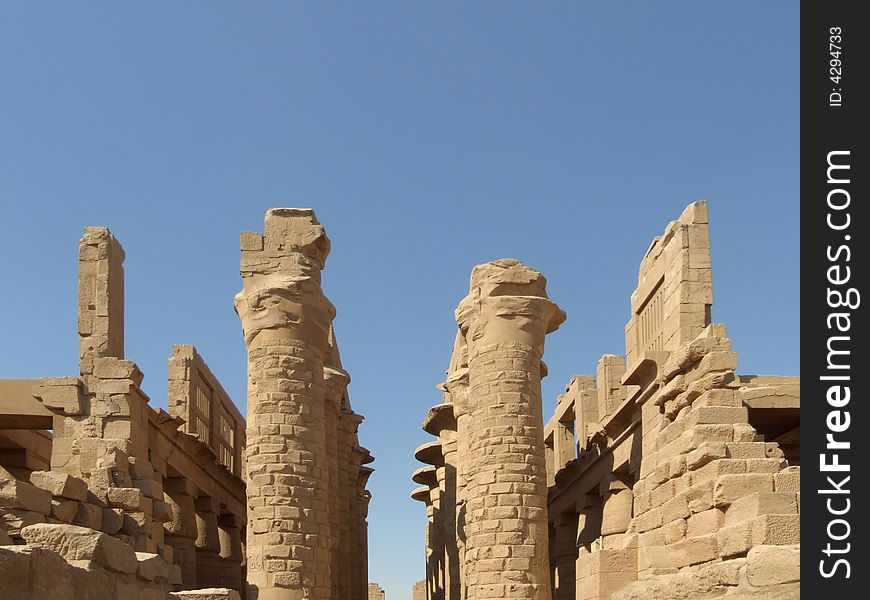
(693, 551)
(773, 565)
(79, 543)
(60, 484)
(14, 520)
(761, 503)
(705, 523)
(64, 511)
(788, 480)
(113, 520)
(89, 515)
(776, 530)
(151, 567)
(729, 488)
(705, 453)
(21, 495)
(127, 498)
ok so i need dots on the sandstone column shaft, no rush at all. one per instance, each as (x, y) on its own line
(286, 320)
(504, 320)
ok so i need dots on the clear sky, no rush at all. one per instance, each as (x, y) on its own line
(428, 137)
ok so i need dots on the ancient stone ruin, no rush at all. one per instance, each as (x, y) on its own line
(663, 475)
(103, 496)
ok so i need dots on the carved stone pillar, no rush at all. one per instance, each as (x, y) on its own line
(565, 556)
(336, 381)
(180, 531)
(231, 552)
(208, 544)
(349, 464)
(504, 320)
(286, 320)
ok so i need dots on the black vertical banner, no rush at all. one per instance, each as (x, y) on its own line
(835, 224)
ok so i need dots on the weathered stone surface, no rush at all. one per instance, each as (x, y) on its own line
(151, 566)
(79, 543)
(24, 496)
(60, 484)
(772, 565)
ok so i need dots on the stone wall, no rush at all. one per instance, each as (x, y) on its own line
(668, 477)
(116, 466)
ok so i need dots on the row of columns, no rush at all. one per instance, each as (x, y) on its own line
(487, 536)
(307, 503)
(206, 543)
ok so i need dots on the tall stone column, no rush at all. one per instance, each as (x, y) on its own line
(504, 320)
(286, 320)
(349, 464)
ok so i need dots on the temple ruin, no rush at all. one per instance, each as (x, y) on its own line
(663, 475)
(103, 496)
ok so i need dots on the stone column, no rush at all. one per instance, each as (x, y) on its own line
(456, 387)
(504, 320)
(231, 553)
(336, 381)
(286, 320)
(349, 464)
(208, 544)
(565, 556)
(359, 525)
(181, 531)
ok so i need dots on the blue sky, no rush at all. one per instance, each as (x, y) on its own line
(428, 137)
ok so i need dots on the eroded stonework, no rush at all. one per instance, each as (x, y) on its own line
(668, 476)
(102, 496)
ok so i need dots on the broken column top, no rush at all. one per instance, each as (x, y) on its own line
(514, 283)
(288, 231)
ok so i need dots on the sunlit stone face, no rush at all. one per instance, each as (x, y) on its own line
(278, 306)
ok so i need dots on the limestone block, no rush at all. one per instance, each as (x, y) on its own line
(689, 354)
(761, 503)
(734, 540)
(64, 511)
(127, 498)
(207, 594)
(151, 567)
(705, 522)
(113, 520)
(776, 530)
(729, 488)
(773, 565)
(788, 480)
(61, 394)
(693, 551)
(60, 484)
(89, 515)
(674, 531)
(79, 543)
(14, 520)
(21, 495)
(109, 367)
(705, 453)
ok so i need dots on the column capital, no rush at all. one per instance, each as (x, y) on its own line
(507, 302)
(281, 296)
